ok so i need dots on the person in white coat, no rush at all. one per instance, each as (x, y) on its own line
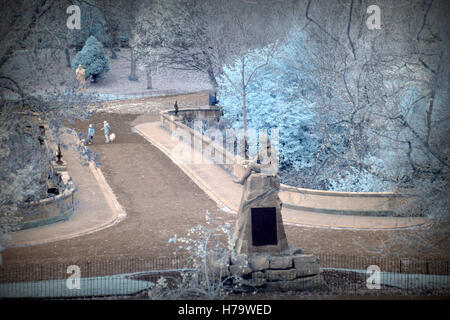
(107, 129)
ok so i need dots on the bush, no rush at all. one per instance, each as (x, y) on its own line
(270, 105)
(92, 58)
(208, 252)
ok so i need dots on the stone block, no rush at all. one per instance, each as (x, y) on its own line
(59, 167)
(258, 274)
(275, 275)
(306, 265)
(280, 262)
(253, 282)
(239, 270)
(258, 262)
(297, 284)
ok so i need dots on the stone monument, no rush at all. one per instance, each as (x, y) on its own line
(262, 257)
(259, 227)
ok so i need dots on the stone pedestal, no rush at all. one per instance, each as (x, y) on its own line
(292, 271)
(262, 257)
(259, 227)
(59, 167)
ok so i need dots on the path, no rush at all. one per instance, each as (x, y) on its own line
(152, 191)
(95, 205)
(161, 200)
(219, 185)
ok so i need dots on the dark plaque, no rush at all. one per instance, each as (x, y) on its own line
(264, 226)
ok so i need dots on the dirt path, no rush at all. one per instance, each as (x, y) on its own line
(152, 190)
(161, 201)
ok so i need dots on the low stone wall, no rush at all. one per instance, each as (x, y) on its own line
(198, 140)
(300, 199)
(203, 113)
(50, 210)
(347, 203)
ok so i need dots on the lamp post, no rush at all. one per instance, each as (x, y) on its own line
(59, 155)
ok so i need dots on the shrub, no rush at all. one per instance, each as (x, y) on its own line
(92, 58)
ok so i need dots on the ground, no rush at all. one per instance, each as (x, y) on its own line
(110, 84)
(161, 201)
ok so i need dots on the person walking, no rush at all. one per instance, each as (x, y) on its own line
(91, 132)
(106, 128)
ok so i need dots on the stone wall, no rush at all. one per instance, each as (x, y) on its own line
(346, 203)
(294, 271)
(299, 199)
(173, 123)
(49, 210)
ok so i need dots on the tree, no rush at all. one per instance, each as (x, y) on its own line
(92, 58)
(240, 77)
(30, 93)
(373, 128)
(119, 17)
(128, 18)
(390, 97)
(171, 33)
(382, 101)
(204, 35)
(273, 103)
(93, 23)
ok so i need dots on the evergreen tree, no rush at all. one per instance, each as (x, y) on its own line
(92, 58)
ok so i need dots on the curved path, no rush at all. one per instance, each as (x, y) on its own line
(95, 205)
(151, 189)
(161, 200)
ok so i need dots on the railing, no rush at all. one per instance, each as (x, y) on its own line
(300, 199)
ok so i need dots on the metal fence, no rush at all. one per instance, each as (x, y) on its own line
(343, 275)
(386, 264)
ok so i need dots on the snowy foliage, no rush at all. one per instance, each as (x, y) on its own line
(269, 107)
(328, 139)
(92, 58)
(208, 249)
(354, 180)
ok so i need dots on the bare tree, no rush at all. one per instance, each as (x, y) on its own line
(247, 73)
(204, 35)
(383, 97)
(120, 17)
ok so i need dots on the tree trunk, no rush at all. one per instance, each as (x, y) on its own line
(113, 53)
(149, 78)
(66, 51)
(244, 120)
(211, 76)
(212, 94)
(244, 109)
(212, 80)
(132, 76)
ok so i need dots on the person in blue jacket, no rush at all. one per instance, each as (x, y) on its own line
(91, 132)
(213, 98)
